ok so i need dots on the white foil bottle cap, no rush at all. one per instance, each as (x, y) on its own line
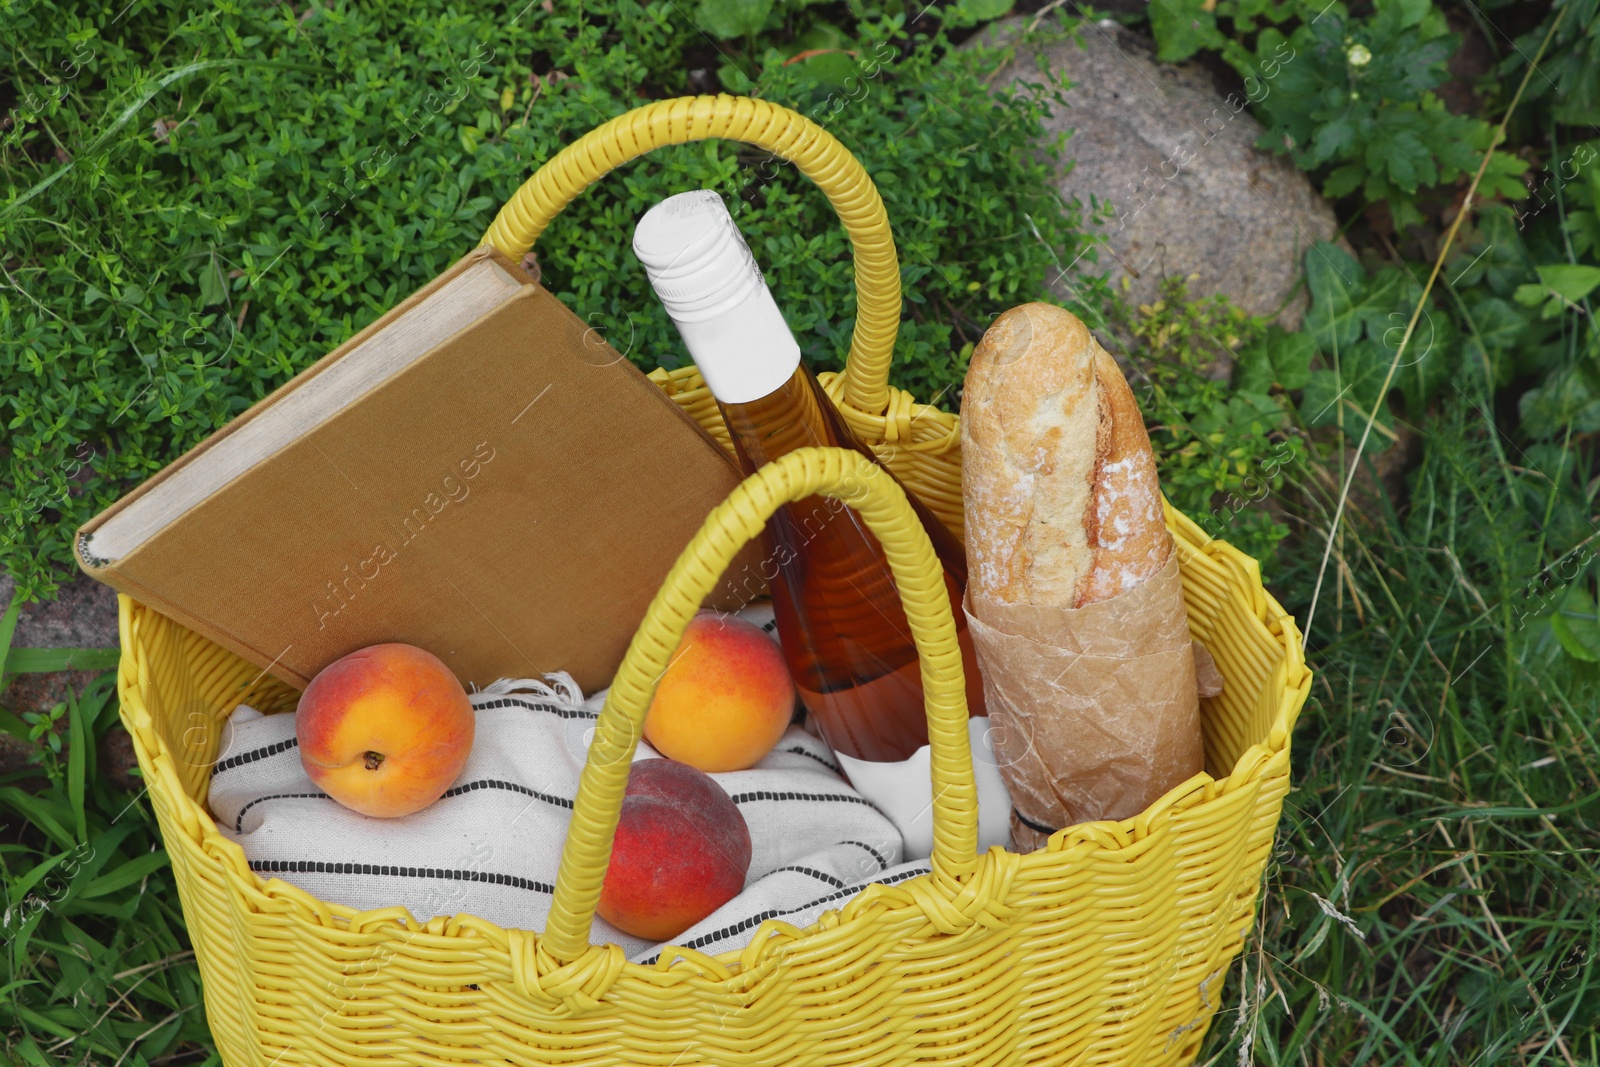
(709, 283)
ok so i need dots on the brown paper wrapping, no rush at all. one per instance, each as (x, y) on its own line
(1095, 709)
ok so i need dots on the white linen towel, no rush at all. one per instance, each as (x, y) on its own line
(491, 845)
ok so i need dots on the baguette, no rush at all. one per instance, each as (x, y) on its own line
(1063, 507)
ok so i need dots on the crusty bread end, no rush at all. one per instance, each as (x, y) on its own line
(1062, 502)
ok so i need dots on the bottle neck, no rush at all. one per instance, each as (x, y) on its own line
(746, 352)
(789, 417)
(799, 414)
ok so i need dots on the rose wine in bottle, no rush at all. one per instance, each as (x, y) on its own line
(843, 630)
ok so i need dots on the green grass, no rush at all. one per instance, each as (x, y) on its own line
(1435, 894)
(97, 966)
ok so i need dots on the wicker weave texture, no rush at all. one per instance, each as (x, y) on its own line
(1108, 946)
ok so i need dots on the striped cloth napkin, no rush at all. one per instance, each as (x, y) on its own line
(491, 845)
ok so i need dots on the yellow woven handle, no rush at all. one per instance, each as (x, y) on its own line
(919, 578)
(788, 135)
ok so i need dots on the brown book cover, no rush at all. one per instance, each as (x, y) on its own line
(477, 473)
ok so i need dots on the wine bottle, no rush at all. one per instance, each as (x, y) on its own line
(843, 630)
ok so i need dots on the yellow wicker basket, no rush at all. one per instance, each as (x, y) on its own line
(1109, 946)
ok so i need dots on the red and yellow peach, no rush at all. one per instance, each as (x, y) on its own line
(385, 730)
(681, 852)
(725, 699)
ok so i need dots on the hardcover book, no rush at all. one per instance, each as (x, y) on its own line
(477, 473)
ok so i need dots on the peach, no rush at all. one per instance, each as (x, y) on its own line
(385, 730)
(681, 852)
(725, 698)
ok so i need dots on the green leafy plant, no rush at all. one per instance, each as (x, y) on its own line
(1576, 623)
(1523, 290)
(1184, 27)
(1352, 330)
(1506, 324)
(219, 196)
(1559, 289)
(1349, 318)
(767, 34)
(1348, 98)
(734, 18)
(1570, 88)
(1221, 451)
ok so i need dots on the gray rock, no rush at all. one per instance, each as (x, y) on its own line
(84, 615)
(16, 754)
(1176, 159)
(43, 690)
